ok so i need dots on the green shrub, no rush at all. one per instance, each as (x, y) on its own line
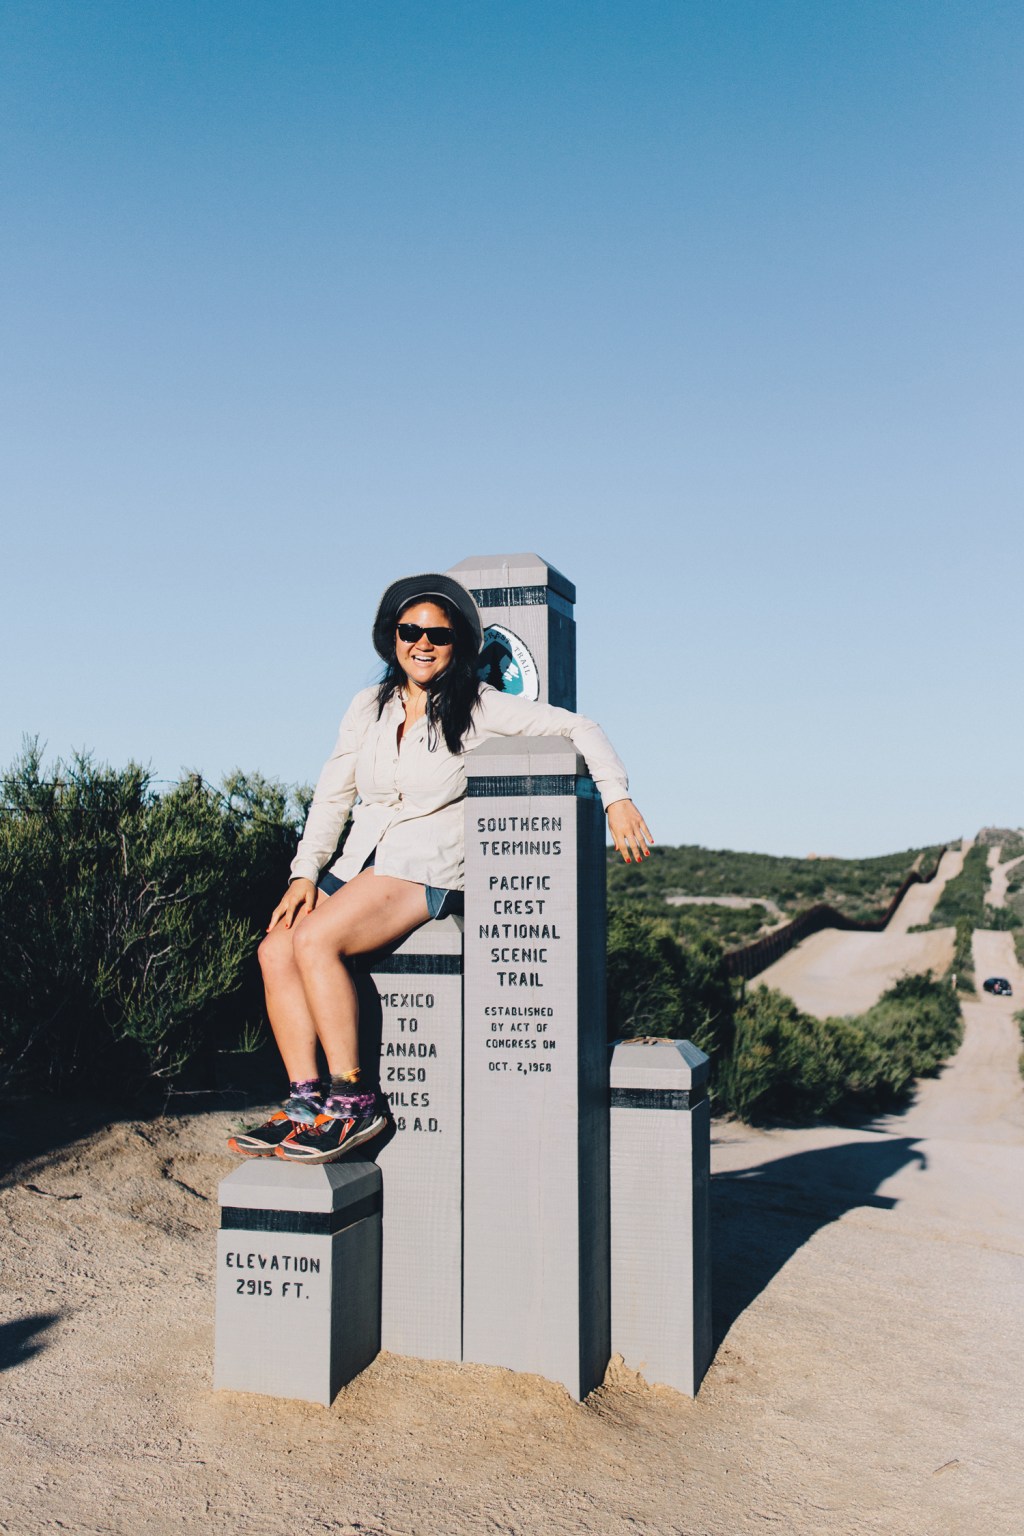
(784, 1063)
(962, 964)
(1004, 919)
(964, 896)
(1015, 892)
(909, 1033)
(129, 920)
(658, 987)
(788, 1065)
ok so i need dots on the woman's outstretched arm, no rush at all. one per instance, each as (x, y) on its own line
(501, 714)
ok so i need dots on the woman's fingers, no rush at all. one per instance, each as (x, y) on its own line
(638, 847)
(629, 831)
(300, 895)
(299, 900)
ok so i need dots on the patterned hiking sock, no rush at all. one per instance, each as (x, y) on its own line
(311, 1088)
(344, 1101)
(349, 1106)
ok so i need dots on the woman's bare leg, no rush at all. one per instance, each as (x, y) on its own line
(287, 1009)
(370, 911)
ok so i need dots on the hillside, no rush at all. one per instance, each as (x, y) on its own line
(741, 894)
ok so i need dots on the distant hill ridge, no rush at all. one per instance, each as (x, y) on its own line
(858, 891)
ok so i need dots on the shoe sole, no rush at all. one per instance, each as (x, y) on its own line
(257, 1150)
(355, 1140)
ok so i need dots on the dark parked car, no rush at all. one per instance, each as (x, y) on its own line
(999, 985)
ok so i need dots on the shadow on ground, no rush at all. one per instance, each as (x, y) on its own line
(761, 1216)
(19, 1340)
(27, 1134)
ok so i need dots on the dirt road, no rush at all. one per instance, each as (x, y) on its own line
(836, 972)
(978, 1097)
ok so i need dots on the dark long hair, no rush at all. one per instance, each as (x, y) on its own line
(452, 696)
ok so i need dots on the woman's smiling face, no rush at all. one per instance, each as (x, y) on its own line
(421, 660)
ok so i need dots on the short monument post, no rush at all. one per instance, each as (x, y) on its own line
(298, 1277)
(660, 1177)
(536, 1230)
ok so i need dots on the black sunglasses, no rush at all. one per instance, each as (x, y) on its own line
(437, 634)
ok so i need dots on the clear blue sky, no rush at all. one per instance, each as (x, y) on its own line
(715, 305)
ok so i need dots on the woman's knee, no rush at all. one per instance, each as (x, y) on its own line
(312, 945)
(276, 951)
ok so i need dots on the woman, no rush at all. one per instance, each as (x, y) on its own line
(400, 750)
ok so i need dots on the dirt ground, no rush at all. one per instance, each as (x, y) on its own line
(869, 1374)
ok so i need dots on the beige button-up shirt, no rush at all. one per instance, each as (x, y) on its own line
(408, 800)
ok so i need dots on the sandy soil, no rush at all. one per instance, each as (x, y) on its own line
(869, 1376)
(835, 972)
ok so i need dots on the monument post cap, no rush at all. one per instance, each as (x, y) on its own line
(268, 1184)
(534, 755)
(494, 572)
(659, 1064)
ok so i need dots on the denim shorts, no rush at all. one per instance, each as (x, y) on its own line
(440, 903)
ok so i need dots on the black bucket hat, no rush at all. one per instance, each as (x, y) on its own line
(405, 591)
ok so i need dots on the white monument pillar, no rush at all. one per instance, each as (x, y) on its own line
(660, 1178)
(536, 1223)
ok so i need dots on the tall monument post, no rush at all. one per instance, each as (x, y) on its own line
(536, 1181)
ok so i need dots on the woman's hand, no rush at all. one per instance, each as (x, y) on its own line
(630, 832)
(300, 896)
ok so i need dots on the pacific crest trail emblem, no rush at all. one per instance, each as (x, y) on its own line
(506, 663)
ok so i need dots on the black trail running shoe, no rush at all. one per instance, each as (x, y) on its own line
(329, 1137)
(264, 1140)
